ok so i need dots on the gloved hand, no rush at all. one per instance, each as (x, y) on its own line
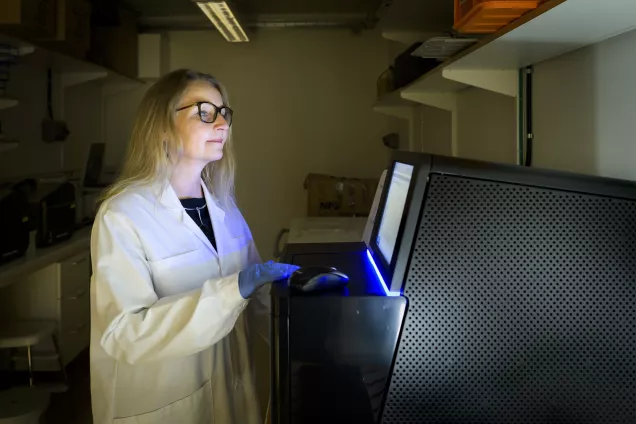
(257, 275)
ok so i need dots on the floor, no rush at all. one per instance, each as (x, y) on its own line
(70, 407)
(73, 406)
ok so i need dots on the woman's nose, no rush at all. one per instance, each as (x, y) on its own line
(220, 123)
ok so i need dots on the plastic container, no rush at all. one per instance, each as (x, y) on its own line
(485, 16)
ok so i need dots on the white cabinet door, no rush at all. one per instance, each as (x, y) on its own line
(75, 272)
(74, 338)
(58, 292)
(74, 305)
(74, 308)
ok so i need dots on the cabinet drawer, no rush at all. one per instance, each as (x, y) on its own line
(74, 273)
(75, 339)
(75, 309)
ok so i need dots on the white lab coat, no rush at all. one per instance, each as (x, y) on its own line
(169, 340)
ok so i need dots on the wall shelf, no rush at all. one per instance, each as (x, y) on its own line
(6, 103)
(16, 47)
(555, 28)
(74, 71)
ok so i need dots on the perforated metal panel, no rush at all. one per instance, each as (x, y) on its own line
(522, 309)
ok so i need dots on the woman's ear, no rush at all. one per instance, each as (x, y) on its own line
(173, 149)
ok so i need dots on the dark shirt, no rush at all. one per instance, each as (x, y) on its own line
(198, 211)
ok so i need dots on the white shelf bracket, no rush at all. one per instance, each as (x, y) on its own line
(70, 79)
(502, 81)
(446, 101)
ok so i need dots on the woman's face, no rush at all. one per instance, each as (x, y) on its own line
(202, 142)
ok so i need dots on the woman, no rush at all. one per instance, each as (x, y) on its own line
(173, 266)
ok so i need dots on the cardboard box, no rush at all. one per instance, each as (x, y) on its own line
(36, 19)
(74, 26)
(337, 196)
(115, 46)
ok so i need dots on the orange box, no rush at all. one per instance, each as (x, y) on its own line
(485, 16)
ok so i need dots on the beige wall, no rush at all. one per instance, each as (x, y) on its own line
(303, 103)
(487, 128)
(120, 110)
(84, 115)
(400, 126)
(82, 112)
(23, 123)
(584, 105)
(437, 131)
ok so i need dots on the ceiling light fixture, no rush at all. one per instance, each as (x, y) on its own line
(224, 19)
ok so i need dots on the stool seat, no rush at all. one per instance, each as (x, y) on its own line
(25, 333)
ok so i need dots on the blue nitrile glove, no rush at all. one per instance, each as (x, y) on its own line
(255, 276)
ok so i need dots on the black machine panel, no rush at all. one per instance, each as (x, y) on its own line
(340, 360)
(522, 308)
(332, 351)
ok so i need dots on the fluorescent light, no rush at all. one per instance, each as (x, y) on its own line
(377, 271)
(224, 20)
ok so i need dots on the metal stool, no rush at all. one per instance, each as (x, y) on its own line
(26, 334)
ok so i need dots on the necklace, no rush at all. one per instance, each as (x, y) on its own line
(198, 209)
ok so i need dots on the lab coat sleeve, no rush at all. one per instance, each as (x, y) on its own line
(261, 302)
(253, 256)
(136, 326)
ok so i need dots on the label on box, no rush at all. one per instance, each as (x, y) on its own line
(335, 196)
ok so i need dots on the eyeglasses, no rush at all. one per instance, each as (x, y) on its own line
(208, 112)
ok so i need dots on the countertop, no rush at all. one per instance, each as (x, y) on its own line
(12, 271)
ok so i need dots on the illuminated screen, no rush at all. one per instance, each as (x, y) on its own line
(394, 209)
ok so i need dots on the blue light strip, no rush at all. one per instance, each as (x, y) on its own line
(377, 271)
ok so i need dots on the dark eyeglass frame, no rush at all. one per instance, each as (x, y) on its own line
(217, 110)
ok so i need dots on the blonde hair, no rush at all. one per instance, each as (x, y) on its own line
(155, 146)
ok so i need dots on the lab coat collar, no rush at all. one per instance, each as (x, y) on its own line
(168, 198)
(215, 209)
(221, 234)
